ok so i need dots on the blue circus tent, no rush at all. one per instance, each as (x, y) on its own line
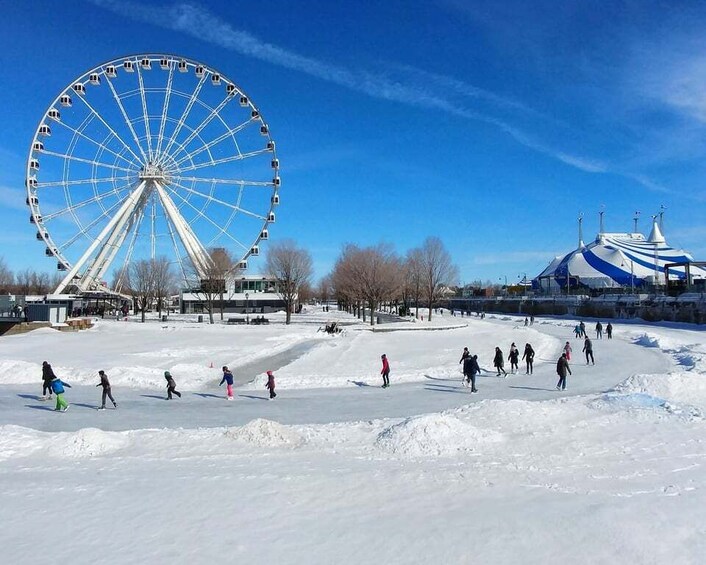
(617, 260)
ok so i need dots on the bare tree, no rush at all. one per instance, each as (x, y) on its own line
(370, 275)
(413, 277)
(291, 267)
(346, 283)
(141, 284)
(7, 278)
(213, 284)
(437, 270)
(164, 281)
(324, 290)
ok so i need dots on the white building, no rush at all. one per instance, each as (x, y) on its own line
(254, 294)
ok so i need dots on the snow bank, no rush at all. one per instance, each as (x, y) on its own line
(432, 435)
(88, 442)
(681, 387)
(17, 441)
(266, 433)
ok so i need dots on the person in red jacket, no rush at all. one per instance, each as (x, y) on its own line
(385, 372)
(271, 384)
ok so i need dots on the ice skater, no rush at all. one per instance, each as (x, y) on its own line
(47, 377)
(271, 384)
(105, 383)
(514, 358)
(609, 330)
(57, 385)
(562, 367)
(499, 362)
(385, 371)
(582, 326)
(171, 385)
(471, 369)
(464, 355)
(528, 356)
(228, 379)
(568, 350)
(577, 331)
(599, 330)
(588, 349)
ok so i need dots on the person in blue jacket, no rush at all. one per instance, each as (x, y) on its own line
(228, 379)
(57, 385)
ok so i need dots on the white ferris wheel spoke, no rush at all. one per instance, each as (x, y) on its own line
(201, 214)
(98, 143)
(229, 133)
(214, 112)
(177, 253)
(131, 248)
(165, 108)
(86, 202)
(237, 182)
(153, 235)
(89, 161)
(145, 113)
(184, 116)
(83, 230)
(213, 162)
(82, 181)
(127, 120)
(120, 139)
(212, 198)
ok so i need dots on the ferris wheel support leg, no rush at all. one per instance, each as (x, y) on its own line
(125, 211)
(104, 259)
(196, 251)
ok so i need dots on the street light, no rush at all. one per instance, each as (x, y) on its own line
(247, 312)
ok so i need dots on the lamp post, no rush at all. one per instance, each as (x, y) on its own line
(247, 311)
(501, 278)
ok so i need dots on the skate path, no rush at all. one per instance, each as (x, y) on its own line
(143, 408)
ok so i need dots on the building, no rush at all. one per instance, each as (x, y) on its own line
(254, 294)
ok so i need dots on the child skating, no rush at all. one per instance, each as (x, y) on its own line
(271, 384)
(105, 383)
(228, 379)
(171, 386)
(57, 385)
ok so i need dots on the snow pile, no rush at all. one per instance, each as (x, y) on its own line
(87, 442)
(13, 371)
(432, 435)
(685, 354)
(682, 388)
(18, 441)
(266, 433)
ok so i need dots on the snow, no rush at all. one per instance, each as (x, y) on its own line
(338, 470)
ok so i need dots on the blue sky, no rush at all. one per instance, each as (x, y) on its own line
(489, 124)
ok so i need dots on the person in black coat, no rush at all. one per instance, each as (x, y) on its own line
(514, 358)
(609, 330)
(562, 368)
(47, 377)
(528, 356)
(471, 368)
(499, 362)
(588, 350)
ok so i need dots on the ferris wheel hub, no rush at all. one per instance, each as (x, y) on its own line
(152, 171)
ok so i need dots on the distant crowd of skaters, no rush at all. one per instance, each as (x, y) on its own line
(471, 368)
(53, 384)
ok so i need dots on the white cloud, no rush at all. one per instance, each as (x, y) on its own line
(203, 25)
(13, 198)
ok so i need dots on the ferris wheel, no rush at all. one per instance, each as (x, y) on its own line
(149, 156)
